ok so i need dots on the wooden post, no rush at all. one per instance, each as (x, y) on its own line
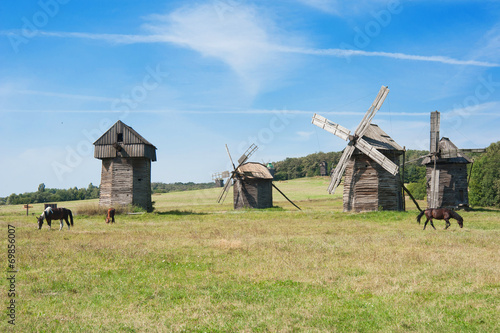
(27, 208)
(403, 179)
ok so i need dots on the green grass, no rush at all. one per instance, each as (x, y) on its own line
(196, 266)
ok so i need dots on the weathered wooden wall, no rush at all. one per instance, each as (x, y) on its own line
(257, 193)
(126, 181)
(368, 186)
(452, 184)
(128, 150)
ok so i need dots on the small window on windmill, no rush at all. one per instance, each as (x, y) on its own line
(119, 137)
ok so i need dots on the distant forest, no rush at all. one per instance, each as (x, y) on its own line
(177, 187)
(91, 192)
(484, 186)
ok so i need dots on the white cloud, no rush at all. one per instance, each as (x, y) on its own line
(302, 135)
(238, 35)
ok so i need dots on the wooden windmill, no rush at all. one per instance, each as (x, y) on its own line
(126, 167)
(371, 163)
(446, 170)
(253, 183)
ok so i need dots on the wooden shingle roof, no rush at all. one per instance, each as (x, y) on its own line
(254, 170)
(375, 136)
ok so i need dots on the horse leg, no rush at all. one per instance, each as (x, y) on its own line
(67, 222)
(62, 224)
(447, 223)
(432, 224)
(425, 224)
(49, 222)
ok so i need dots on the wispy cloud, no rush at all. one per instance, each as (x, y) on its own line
(343, 53)
(246, 55)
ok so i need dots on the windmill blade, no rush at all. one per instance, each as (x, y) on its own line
(247, 154)
(340, 168)
(227, 149)
(238, 185)
(367, 119)
(331, 127)
(223, 193)
(434, 188)
(435, 122)
(377, 156)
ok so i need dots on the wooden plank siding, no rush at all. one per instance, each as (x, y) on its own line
(368, 186)
(256, 193)
(126, 181)
(128, 150)
(132, 143)
(453, 185)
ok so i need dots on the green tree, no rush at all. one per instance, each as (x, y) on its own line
(485, 179)
(41, 187)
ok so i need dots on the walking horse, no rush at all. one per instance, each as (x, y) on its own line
(440, 214)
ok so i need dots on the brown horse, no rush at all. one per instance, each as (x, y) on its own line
(440, 214)
(110, 216)
(50, 214)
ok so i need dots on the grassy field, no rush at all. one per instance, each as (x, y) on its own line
(197, 266)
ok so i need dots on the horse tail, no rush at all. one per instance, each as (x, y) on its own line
(70, 217)
(420, 216)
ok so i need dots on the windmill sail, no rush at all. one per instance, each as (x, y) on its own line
(434, 140)
(434, 184)
(377, 156)
(367, 119)
(247, 154)
(356, 141)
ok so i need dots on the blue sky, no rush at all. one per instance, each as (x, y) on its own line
(191, 76)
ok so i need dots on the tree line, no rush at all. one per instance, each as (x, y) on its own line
(176, 187)
(52, 195)
(44, 194)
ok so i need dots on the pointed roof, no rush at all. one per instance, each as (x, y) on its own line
(121, 140)
(130, 136)
(375, 136)
(448, 153)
